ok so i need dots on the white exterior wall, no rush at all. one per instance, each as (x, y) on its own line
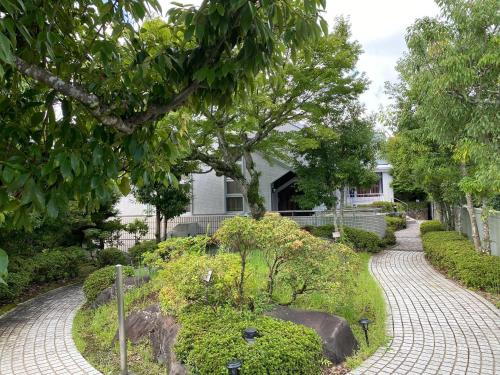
(128, 206)
(208, 192)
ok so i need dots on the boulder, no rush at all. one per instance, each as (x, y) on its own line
(338, 340)
(162, 332)
(110, 293)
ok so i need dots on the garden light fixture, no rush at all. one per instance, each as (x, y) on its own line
(364, 324)
(250, 334)
(208, 276)
(234, 367)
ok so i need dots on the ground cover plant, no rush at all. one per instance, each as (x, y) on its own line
(308, 273)
(431, 226)
(455, 255)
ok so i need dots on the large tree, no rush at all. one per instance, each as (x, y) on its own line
(83, 84)
(449, 83)
(319, 77)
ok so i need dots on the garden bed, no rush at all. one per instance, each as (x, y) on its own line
(211, 317)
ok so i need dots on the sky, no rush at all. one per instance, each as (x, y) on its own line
(380, 26)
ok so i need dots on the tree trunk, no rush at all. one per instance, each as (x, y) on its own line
(472, 214)
(251, 188)
(485, 216)
(458, 225)
(158, 226)
(165, 226)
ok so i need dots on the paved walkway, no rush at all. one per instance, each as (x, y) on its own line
(35, 338)
(437, 327)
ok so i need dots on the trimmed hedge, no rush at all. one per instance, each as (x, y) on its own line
(136, 252)
(101, 279)
(209, 339)
(395, 223)
(431, 226)
(111, 257)
(50, 265)
(363, 240)
(389, 238)
(455, 255)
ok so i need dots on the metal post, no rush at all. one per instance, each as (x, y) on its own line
(121, 321)
(366, 337)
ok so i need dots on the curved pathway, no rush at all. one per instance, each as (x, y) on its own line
(437, 327)
(35, 337)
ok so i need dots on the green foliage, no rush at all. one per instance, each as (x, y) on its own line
(384, 206)
(209, 339)
(17, 282)
(101, 279)
(395, 223)
(183, 282)
(4, 263)
(455, 255)
(324, 231)
(136, 252)
(198, 57)
(389, 237)
(362, 240)
(431, 226)
(176, 246)
(111, 257)
(138, 228)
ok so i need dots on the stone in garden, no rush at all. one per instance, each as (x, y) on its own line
(338, 340)
(110, 293)
(162, 332)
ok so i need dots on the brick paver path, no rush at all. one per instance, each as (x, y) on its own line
(437, 327)
(35, 338)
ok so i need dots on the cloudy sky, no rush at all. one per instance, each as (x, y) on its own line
(380, 27)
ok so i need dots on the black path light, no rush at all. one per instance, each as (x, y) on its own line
(234, 367)
(364, 324)
(250, 334)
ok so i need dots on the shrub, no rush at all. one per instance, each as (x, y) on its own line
(176, 246)
(184, 285)
(111, 257)
(324, 231)
(101, 279)
(431, 226)
(384, 206)
(389, 238)
(58, 264)
(17, 282)
(395, 223)
(137, 251)
(454, 254)
(362, 240)
(208, 340)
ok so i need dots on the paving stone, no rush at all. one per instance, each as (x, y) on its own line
(437, 327)
(35, 338)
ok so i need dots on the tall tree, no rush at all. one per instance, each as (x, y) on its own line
(295, 94)
(83, 84)
(450, 81)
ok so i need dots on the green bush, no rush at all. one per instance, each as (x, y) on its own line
(176, 246)
(136, 252)
(389, 238)
(111, 257)
(323, 231)
(395, 223)
(362, 240)
(431, 226)
(17, 282)
(209, 339)
(384, 206)
(455, 254)
(59, 264)
(99, 280)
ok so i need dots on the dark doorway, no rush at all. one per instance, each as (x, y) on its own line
(283, 191)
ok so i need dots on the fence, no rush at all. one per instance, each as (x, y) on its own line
(370, 220)
(494, 222)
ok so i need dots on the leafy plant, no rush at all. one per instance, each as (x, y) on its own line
(111, 257)
(395, 223)
(175, 247)
(431, 226)
(136, 252)
(101, 279)
(4, 263)
(138, 228)
(209, 339)
(362, 240)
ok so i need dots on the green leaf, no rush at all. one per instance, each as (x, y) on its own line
(4, 263)
(5, 50)
(124, 185)
(52, 209)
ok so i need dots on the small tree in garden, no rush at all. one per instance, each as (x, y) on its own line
(138, 228)
(239, 234)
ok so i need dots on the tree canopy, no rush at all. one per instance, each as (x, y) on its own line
(84, 84)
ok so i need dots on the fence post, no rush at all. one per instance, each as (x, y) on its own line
(121, 320)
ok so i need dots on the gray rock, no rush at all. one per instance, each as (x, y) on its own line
(162, 332)
(110, 293)
(338, 340)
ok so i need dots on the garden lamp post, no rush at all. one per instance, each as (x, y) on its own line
(364, 324)
(122, 338)
(234, 367)
(250, 334)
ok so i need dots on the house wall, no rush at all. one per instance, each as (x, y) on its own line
(208, 194)
(270, 172)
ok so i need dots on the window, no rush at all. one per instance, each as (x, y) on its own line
(234, 196)
(374, 190)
